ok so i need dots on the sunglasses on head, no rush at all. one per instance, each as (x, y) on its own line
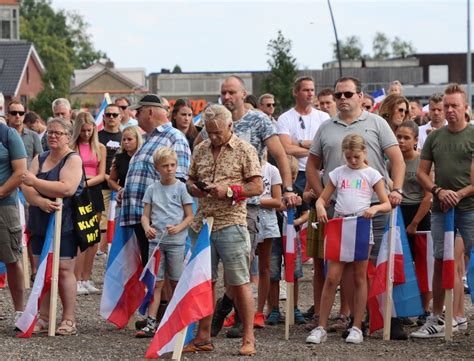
(347, 95)
(302, 125)
(16, 112)
(112, 115)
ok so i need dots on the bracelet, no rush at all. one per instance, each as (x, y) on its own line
(237, 193)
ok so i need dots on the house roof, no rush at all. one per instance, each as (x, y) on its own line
(115, 74)
(14, 57)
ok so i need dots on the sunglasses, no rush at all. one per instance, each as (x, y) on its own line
(403, 111)
(270, 105)
(367, 107)
(16, 112)
(302, 123)
(123, 107)
(347, 95)
(111, 115)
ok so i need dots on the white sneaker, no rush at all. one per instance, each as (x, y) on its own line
(81, 290)
(318, 335)
(17, 315)
(434, 327)
(462, 323)
(355, 335)
(90, 287)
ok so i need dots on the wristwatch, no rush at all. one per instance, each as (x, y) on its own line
(230, 192)
(398, 190)
(288, 189)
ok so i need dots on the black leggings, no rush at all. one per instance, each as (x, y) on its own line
(408, 212)
(142, 242)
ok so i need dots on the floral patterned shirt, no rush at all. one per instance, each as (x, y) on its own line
(236, 163)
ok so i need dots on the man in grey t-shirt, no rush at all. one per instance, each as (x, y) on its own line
(380, 142)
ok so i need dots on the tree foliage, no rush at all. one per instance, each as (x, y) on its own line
(63, 44)
(283, 71)
(380, 46)
(401, 48)
(177, 69)
(351, 48)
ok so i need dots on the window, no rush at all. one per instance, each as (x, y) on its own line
(9, 23)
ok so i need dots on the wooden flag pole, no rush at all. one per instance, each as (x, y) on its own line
(387, 315)
(54, 280)
(448, 320)
(178, 347)
(289, 311)
(26, 266)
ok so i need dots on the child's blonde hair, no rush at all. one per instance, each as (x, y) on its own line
(354, 142)
(162, 154)
(293, 166)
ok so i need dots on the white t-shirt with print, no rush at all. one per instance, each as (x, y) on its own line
(271, 176)
(354, 188)
(289, 124)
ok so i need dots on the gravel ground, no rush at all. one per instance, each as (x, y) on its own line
(99, 340)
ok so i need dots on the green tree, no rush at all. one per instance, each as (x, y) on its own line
(62, 43)
(351, 48)
(283, 71)
(380, 46)
(177, 69)
(401, 48)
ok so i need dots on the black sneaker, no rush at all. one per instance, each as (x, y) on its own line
(396, 329)
(236, 331)
(309, 313)
(139, 324)
(220, 313)
(407, 321)
(420, 321)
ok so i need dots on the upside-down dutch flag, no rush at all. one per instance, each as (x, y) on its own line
(99, 118)
(3, 275)
(21, 209)
(148, 278)
(123, 292)
(41, 286)
(424, 260)
(379, 96)
(289, 245)
(111, 219)
(406, 293)
(192, 298)
(448, 253)
(347, 239)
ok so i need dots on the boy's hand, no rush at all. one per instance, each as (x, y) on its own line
(171, 229)
(150, 233)
(322, 215)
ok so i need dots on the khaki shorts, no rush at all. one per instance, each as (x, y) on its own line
(10, 234)
(106, 193)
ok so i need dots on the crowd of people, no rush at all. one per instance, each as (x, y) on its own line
(335, 154)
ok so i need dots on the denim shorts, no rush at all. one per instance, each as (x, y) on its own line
(67, 247)
(232, 246)
(463, 222)
(276, 259)
(267, 224)
(171, 260)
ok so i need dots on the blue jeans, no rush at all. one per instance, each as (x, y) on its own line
(463, 222)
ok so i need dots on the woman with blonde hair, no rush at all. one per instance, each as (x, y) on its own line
(395, 110)
(85, 141)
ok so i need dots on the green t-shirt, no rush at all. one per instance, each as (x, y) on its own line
(452, 155)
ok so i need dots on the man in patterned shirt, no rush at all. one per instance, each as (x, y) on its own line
(152, 118)
(231, 171)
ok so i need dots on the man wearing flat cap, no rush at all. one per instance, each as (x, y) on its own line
(152, 117)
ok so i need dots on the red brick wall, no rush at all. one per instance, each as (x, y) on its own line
(35, 84)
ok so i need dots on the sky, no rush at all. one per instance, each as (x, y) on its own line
(233, 35)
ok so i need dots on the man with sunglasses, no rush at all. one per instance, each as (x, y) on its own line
(127, 115)
(380, 142)
(111, 137)
(266, 103)
(297, 127)
(31, 140)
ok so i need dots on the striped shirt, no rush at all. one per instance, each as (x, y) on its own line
(142, 172)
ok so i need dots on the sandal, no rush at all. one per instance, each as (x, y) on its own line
(204, 346)
(41, 326)
(66, 328)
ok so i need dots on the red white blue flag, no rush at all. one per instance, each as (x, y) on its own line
(347, 239)
(448, 253)
(148, 278)
(406, 293)
(424, 260)
(41, 286)
(379, 96)
(192, 298)
(111, 219)
(289, 245)
(99, 118)
(123, 292)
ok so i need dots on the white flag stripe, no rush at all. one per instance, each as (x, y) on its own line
(348, 234)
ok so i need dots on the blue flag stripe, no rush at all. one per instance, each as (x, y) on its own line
(362, 239)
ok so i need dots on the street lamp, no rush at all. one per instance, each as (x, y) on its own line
(337, 40)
